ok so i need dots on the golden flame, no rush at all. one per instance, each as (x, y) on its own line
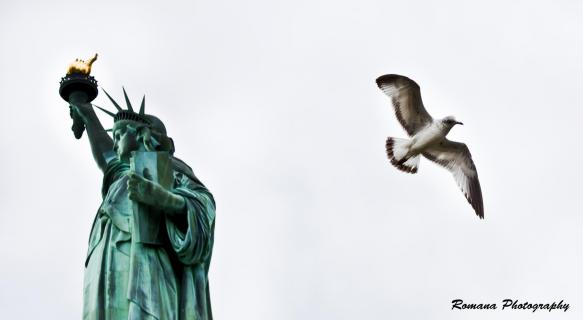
(80, 66)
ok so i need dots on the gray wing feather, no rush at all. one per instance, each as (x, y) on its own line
(406, 99)
(456, 157)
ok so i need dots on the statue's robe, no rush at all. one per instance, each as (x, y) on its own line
(128, 280)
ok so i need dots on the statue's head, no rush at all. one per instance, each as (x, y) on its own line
(137, 131)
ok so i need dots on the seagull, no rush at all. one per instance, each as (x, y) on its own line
(428, 138)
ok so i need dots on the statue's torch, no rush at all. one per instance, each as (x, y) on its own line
(78, 87)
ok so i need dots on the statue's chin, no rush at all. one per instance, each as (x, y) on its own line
(125, 158)
(124, 153)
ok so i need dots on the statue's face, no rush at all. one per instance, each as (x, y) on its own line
(125, 139)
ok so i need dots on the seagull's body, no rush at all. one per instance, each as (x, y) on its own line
(432, 134)
(428, 138)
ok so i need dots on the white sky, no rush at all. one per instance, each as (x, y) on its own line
(274, 105)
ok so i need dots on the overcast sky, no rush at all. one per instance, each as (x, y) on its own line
(275, 107)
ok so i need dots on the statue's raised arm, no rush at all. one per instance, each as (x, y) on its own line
(79, 88)
(101, 143)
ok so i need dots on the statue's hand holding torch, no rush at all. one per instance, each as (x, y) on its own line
(78, 88)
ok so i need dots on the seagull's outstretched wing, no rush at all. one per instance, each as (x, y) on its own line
(406, 98)
(456, 157)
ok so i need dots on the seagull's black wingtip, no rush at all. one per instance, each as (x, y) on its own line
(480, 214)
(387, 78)
(392, 78)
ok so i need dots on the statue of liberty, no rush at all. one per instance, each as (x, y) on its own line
(151, 242)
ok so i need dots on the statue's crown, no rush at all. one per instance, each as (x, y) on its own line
(129, 113)
(159, 139)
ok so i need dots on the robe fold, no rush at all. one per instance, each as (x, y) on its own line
(128, 280)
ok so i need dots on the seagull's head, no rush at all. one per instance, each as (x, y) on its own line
(450, 121)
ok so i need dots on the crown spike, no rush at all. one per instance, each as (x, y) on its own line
(112, 101)
(143, 106)
(106, 111)
(127, 100)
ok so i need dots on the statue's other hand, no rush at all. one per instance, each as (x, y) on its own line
(143, 190)
(153, 194)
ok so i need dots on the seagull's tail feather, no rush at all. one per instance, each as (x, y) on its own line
(397, 151)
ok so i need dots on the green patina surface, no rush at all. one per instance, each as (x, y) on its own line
(130, 272)
(125, 279)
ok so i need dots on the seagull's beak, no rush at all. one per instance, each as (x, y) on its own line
(457, 122)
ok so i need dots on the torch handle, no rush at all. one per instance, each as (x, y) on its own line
(77, 97)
